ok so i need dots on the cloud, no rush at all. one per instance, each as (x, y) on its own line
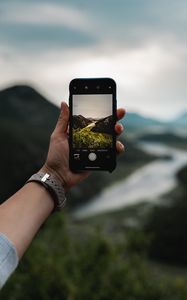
(38, 26)
(47, 14)
(142, 44)
(148, 77)
(63, 23)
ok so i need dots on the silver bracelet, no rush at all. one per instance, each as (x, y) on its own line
(54, 187)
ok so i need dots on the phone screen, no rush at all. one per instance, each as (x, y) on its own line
(92, 121)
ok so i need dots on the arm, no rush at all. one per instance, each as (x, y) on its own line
(22, 214)
(20, 218)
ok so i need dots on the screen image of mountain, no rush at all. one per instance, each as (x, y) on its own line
(92, 133)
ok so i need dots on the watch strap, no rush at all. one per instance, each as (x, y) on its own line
(53, 185)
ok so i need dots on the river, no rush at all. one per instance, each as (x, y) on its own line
(148, 183)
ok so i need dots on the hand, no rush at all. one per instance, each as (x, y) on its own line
(57, 162)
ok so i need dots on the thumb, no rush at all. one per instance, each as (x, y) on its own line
(62, 123)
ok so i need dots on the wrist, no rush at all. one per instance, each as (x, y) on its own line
(52, 184)
(45, 198)
(46, 169)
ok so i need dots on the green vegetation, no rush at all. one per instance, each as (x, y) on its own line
(108, 256)
(167, 223)
(81, 262)
(85, 138)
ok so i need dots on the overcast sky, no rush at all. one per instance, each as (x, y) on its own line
(92, 106)
(142, 44)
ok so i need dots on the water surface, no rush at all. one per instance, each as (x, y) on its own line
(148, 183)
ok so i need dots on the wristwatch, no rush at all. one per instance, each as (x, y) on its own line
(54, 187)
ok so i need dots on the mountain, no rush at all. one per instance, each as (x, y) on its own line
(23, 105)
(137, 124)
(80, 122)
(103, 125)
(166, 137)
(180, 121)
(134, 120)
(27, 120)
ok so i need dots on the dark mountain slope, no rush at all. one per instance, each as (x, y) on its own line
(26, 122)
(134, 120)
(80, 122)
(104, 125)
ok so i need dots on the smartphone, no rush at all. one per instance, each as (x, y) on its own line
(92, 138)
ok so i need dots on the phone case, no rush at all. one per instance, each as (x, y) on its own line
(92, 137)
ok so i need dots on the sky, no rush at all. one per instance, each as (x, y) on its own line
(142, 44)
(92, 106)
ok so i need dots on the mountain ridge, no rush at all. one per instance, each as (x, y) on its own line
(102, 125)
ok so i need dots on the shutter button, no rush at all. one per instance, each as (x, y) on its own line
(92, 156)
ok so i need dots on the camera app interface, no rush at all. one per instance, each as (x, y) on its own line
(92, 125)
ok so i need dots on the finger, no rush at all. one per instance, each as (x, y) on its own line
(119, 128)
(62, 123)
(120, 113)
(119, 147)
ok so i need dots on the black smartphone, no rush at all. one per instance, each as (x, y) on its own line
(92, 138)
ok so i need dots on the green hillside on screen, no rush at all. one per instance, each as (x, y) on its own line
(85, 138)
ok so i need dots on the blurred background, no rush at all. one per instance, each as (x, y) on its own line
(122, 235)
